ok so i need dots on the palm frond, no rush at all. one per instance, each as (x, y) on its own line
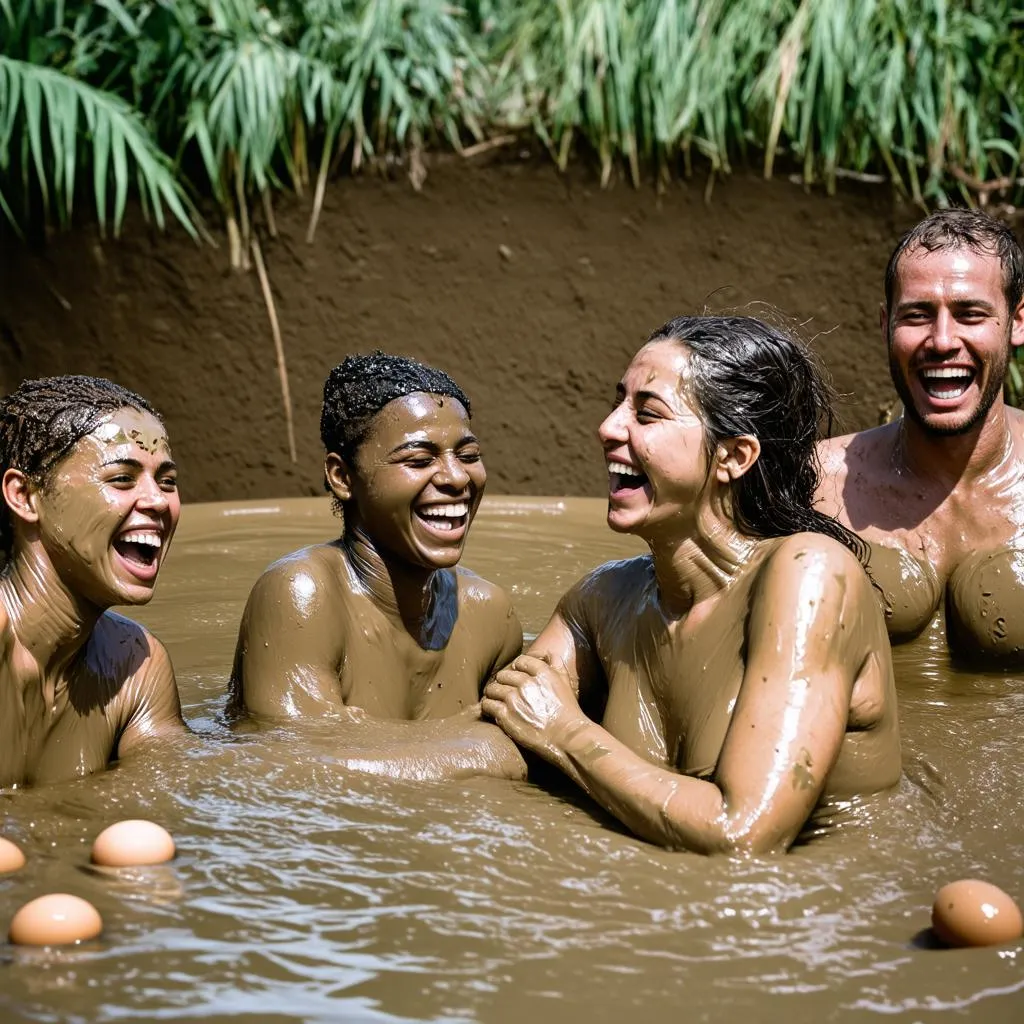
(50, 121)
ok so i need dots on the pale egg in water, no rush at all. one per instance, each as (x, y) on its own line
(133, 843)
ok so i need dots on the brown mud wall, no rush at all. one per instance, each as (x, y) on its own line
(531, 288)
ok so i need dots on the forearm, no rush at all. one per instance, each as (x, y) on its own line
(659, 805)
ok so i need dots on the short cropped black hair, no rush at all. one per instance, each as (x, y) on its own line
(361, 385)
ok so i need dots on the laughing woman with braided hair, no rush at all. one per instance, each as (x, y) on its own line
(379, 634)
(738, 678)
(90, 503)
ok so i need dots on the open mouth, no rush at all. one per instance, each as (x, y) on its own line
(623, 478)
(449, 518)
(140, 550)
(946, 383)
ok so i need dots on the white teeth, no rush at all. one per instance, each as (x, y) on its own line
(453, 511)
(621, 469)
(153, 540)
(945, 372)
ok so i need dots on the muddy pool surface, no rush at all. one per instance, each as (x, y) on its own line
(301, 893)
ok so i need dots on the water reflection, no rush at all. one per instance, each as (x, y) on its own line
(301, 893)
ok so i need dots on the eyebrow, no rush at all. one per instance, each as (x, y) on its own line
(956, 304)
(410, 446)
(135, 464)
(642, 395)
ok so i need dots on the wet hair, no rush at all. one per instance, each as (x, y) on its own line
(41, 421)
(957, 228)
(750, 377)
(361, 385)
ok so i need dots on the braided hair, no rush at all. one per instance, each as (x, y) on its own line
(749, 377)
(360, 386)
(41, 421)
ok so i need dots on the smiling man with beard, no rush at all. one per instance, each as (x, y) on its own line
(379, 635)
(939, 493)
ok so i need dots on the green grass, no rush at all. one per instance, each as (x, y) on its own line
(234, 99)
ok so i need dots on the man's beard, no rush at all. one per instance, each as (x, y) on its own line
(993, 388)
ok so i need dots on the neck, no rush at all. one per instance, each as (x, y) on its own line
(50, 622)
(955, 457)
(693, 568)
(400, 590)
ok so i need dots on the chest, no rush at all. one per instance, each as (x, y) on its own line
(980, 591)
(671, 691)
(389, 675)
(66, 736)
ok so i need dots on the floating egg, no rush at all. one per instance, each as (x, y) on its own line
(975, 913)
(11, 857)
(133, 843)
(55, 920)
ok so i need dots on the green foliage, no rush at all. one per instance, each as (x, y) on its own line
(236, 98)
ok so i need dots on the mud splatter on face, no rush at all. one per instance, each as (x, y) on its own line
(111, 432)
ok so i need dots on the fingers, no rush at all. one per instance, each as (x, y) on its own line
(512, 677)
(497, 690)
(493, 709)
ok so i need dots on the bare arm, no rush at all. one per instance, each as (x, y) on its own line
(287, 662)
(784, 738)
(155, 711)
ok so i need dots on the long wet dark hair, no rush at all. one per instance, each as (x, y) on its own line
(750, 377)
(41, 421)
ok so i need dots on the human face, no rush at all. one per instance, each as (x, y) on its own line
(108, 510)
(949, 334)
(653, 443)
(418, 479)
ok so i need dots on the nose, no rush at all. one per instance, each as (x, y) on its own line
(152, 496)
(944, 339)
(451, 473)
(612, 430)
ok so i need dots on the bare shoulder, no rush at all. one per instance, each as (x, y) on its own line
(839, 455)
(812, 561)
(482, 596)
(301, 580)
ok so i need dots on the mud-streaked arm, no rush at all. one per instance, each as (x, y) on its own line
(785, 735)
(154, 711)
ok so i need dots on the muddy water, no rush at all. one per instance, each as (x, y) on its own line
(301, 893)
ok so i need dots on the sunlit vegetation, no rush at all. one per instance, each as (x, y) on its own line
(174, 100)
(179, 102)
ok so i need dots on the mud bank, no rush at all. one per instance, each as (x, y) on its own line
(531, 288)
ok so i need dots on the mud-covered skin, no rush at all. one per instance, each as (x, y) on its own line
(380, 629)
(118, 694)
(725, 729)
(313, 641)
(943, 511)
(80, 685)
(937, 546)
(732, 685)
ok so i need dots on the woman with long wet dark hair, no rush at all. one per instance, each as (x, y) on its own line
(90, 504)
(738, 678)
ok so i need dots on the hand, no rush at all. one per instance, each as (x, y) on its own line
(534, 702)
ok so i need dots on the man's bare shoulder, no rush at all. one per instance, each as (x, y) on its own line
(839, 455)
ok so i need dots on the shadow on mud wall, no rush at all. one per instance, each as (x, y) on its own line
(532, 289)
